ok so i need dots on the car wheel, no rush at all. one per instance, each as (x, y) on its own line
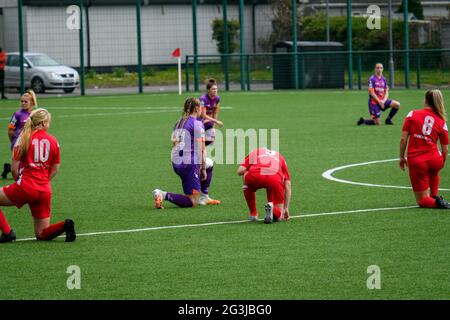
(37, 85)
(69, 90)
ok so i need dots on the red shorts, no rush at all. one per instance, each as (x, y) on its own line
(420, 172)
(272, 183)
(38, 201)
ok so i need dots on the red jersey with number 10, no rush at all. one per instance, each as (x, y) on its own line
(425, 128)
(42, 154)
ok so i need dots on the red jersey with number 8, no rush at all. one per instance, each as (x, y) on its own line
(42, 154)
(425, 128)
(267, 162)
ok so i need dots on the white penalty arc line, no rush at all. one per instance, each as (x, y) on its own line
(309, 215)
(329, 175)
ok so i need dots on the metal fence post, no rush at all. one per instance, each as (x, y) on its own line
(225, 44)
(187, 73)
(418, 69)
(194, 30)
(406, 41)
(247, 70)
(81, 37)
(294, 41)
(241, 42)
(21, 59)
(302, 60)
(391, 47)
(349, 44)
(139, 43)
(359, 71)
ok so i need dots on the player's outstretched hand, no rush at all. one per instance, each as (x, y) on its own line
(403, 163)
(286, 214)
(219, 123)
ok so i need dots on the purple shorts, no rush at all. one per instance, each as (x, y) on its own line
(190, 177)
(375, 109)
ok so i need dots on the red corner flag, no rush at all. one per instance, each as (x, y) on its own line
(176, 53)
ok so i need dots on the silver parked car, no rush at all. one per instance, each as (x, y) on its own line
(41, 73)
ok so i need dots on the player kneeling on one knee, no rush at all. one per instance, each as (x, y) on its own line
(421, 131)
(266, 169)
(37, 154)
(188, 157)
(379, 99)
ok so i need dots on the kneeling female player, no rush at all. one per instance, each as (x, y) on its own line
(35, 162)
(188, 157)
(421, 131)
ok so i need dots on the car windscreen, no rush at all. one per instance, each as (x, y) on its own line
(42, 61)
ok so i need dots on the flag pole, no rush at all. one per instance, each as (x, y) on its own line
(179, 75)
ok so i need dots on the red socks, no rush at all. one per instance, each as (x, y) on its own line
(276, 212)
(250, 197)
(52, 231)
(427, 202)
(434, 185)
(4, 225)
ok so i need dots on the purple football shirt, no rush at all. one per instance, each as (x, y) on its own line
(379, 85)
(186, 133)
(17, 122)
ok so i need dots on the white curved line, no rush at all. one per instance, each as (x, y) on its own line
(329, 175)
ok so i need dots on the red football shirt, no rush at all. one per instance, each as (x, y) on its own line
(42, 154)
(425, 128)
(267, 162)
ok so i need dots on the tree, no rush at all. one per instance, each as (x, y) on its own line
(281, 24)
(415, 7)
(218, 34)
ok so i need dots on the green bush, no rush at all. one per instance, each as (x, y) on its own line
(119, 72)
(90, 74)
(149, 72)
(218, 34)
(313, 28)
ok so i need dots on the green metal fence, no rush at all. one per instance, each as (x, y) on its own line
(427, 67)
(126, 45)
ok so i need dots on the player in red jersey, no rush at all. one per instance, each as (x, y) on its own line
(421, 131)
(267, 169)
(35, 162)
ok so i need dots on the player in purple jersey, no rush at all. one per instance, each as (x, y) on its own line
(210, 103)
(379, 99)
(188, 157)
(28, 102)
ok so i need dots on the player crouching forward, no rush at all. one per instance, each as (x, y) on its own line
(36, 159)
(266, 169)
(188, 157)
(379, 99)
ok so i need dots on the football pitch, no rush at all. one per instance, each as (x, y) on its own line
(116, 149)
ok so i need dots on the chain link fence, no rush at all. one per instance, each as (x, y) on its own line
(100, 46)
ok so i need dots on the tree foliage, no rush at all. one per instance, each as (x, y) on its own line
(218, 34)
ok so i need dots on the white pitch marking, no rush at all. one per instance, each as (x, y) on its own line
(143, 111)
(329, 175)
(310, 215)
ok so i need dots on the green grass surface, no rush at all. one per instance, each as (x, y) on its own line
(116, 149)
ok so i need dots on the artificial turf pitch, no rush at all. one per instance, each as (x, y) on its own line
(116, 149)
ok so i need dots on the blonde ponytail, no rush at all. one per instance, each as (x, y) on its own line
(37, 117)
(435, 100)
